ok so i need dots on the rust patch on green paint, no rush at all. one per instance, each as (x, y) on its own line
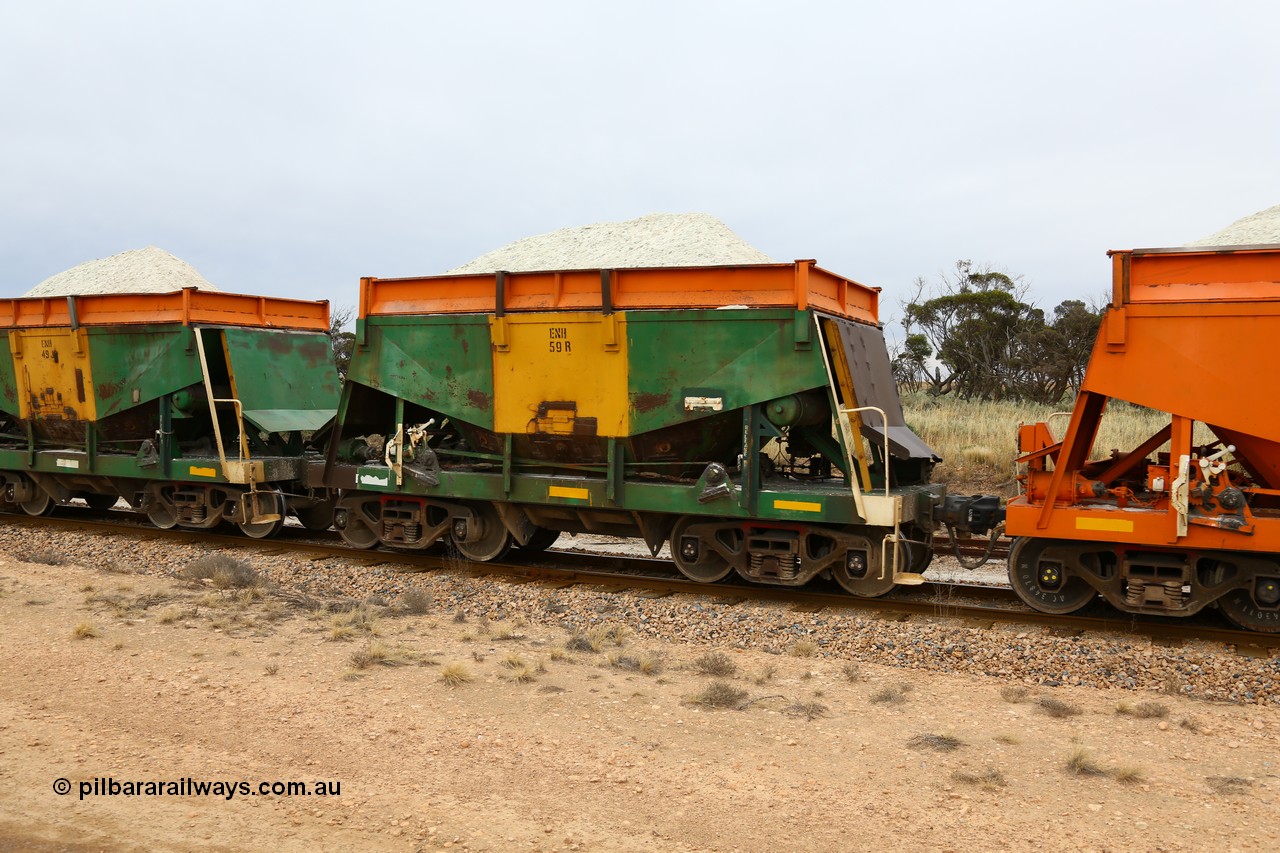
(647, 402)
(479, 399)
(106, 390)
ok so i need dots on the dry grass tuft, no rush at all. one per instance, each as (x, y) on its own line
(1014, 693)
(989, 779)
(518, 670)
(1081, 763)
(44, 558)
(375, 652)
(378, 652)
(223, 572)
(716, 664)
(851, 672)
(1143, 710)
(454, 675)
(645, 664)
(1012, 740)
(169, 615)
(581, 643)
(720, 694)
(506, 632)
(1127, 774)
(85, 631)
(893, 694)
(346, 625)
(803, 649)
(765, 675)
(809, 710)
(1056, 707)
(938, 743)
(1192, 725)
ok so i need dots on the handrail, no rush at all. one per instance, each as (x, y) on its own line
(213, 401)
(884, 424)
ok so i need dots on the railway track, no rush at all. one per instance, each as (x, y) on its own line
(981, 605)
(945, 546)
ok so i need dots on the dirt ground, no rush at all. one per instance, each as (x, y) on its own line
(137, 678)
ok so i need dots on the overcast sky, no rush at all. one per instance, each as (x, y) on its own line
(287, 148)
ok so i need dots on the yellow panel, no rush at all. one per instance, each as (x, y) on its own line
(566, 492)
(1111, 525)
(578, 358)
(798, 506)
(51, 366)
(202, 472)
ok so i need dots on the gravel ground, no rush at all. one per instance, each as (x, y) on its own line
(148, 270)
(1011, 653)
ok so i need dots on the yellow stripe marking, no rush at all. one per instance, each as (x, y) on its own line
(202, 472)
(566, 492)
(798, 506)
(1112, 525)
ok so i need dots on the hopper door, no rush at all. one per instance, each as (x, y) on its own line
(285, 381)
(870, 383)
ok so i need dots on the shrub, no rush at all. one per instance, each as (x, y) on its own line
(1143, 710)
(1014, 693)
(804, 649)
(1056, 707)
(808, 710)
(990, 779)
(415, 602)
(720, 694)
(223, 572)
(894, 694)
(715, 663)
(940, 743)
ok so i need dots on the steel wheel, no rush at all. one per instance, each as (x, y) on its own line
(694, 556)
(41, 504)
(354, 528)
(161, 512)
(920, 548)
(858, 573)
(1256, 608)
(1043, 583)
(541, 540)
(267, 528)
(482, 537)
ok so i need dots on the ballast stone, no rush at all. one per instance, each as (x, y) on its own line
(149, 270)
(655, 240)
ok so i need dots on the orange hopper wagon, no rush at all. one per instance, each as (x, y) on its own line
(1190, 517)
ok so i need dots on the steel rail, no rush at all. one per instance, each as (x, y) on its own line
(933, 599)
